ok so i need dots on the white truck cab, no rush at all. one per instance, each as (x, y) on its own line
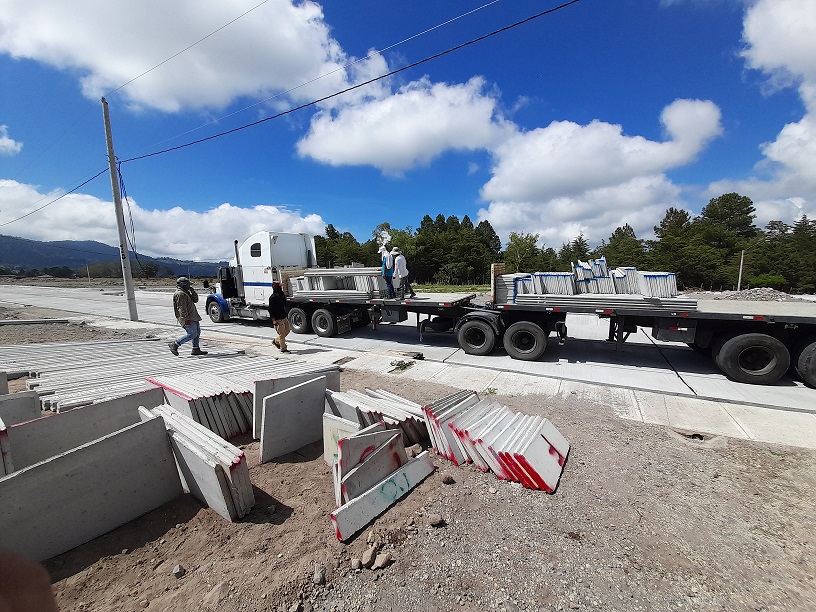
(243, 289)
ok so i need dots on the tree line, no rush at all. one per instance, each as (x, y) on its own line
(704, 251)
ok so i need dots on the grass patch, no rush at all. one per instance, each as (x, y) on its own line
(452, 288)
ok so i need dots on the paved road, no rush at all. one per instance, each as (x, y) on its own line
(651, 381)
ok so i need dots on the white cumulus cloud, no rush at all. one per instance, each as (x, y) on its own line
(410, 128)
(177, 233)
(568, 178)
(8, 146)
(277, 46)
(780, 41)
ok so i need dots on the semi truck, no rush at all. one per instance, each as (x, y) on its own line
(751, 342)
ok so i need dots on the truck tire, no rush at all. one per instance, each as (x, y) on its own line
(524, 340)
(805, 363)
(299, 321)
(324, 323)
(476, 337)
(216, 314)
(716, 346)
(753, 358)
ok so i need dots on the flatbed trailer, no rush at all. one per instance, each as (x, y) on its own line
(327, 317)
(752, 342)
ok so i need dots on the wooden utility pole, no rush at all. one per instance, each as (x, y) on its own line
(120, 218)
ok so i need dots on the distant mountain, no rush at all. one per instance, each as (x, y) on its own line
(17, 253)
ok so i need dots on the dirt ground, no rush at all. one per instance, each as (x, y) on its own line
(644, 518)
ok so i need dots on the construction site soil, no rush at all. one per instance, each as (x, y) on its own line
(644, 518)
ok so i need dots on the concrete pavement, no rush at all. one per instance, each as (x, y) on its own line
(653, 382)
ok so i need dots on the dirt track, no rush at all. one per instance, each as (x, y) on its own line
(644, 518)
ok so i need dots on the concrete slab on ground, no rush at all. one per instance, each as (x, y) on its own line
(292, 418)
(70, 499)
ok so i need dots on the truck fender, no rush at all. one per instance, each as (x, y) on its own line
(216, 297)
(491, 318)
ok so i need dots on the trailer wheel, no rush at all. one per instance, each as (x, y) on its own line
(216, 314)
(805, 363)
(299, 321)
(524, 340)
(476, 337)
(716, 346)
(324, 323)
(754, 358)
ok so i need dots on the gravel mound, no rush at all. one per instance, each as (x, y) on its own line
(757, 294)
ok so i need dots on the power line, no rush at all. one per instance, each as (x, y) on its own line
(358, 85)
(188, 47)
(302, 106)
(331, 72)
(100, 173)
(90, 105)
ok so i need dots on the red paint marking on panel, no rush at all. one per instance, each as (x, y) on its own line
(336, 528)
(533, 473)
(169, 388)
(367, 452)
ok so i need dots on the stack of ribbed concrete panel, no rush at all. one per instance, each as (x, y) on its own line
(214, 402)
(587, 278)
(76, 374)
(625, 280)
(556, 283)
(372, 472)
(337, 283)
(516, 447)
(380, 405)
(657, 284)
(211, 469)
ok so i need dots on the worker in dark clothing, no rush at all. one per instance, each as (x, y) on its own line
(277, 310)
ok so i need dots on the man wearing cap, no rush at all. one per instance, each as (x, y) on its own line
(401, 273)
(277, 310)
(184, 300)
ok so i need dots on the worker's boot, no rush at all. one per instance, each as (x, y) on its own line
(173, 347)
(198, 351)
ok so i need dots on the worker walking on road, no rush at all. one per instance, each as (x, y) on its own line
(184, 301)
(401, 273)
(277, 310)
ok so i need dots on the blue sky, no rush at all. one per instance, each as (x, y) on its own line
(598, 114)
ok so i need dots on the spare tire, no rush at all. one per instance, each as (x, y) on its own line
(753, 358)
(476, 337)
(524, 340)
